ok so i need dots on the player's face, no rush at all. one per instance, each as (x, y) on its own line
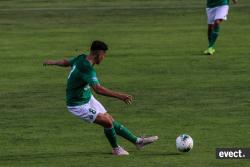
(100, 56)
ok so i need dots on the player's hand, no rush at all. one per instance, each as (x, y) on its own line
(47, 62)
(127, 98)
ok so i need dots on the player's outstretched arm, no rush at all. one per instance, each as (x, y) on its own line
(106, 92)
(61, 63)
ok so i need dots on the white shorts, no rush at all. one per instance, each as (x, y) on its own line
(89, 111)
(219, 12)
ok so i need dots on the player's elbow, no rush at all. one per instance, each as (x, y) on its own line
(65, 63)
(98, 92)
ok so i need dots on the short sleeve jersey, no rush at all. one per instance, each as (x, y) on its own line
(215, 3)
(81, 77)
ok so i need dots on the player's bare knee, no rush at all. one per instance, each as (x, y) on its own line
(210, 26)
(108, 122)
(103, 120)
(110, 117)
(217, 22)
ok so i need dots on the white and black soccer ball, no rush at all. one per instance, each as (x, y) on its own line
(184, 143)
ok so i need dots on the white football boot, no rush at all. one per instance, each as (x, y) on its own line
(119, 151)
(145, 141)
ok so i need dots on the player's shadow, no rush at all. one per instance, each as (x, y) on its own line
(150, 153)
(165, 154)
(53, 155)
(22, 157)
(199, 55)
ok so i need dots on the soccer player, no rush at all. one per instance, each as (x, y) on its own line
(217, 11)
(82, 103)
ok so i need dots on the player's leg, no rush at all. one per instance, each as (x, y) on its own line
(91, 114)
(210, 49)
(209, 32)
(215, 32)
(105, 120)
(220, 14)
(120, 129)
(124, 132)
(211, 13)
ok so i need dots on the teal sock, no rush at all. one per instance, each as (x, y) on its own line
(124, 132)
(111, 136)
(214, 35)
(209, 32)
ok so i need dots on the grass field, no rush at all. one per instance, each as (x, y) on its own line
(155, 55)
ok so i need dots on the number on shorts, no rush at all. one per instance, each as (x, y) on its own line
(92, 111)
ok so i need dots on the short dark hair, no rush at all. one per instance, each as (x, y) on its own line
(98, 45)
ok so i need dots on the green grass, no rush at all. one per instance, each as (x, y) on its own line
(155, 54)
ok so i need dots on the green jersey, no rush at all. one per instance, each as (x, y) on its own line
(81, 77)
(215, 3)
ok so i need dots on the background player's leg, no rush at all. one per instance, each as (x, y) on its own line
(209, 32)
(215, 32)
(210, 16)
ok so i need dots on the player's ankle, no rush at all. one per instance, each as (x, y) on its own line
(139, 140)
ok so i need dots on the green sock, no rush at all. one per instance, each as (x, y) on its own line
(214, 35)
(124, 132)
(209, 32)
(111, 136)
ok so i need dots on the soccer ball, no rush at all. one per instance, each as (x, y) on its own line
(184, 143)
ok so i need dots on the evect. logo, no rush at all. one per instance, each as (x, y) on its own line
(232, 153)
